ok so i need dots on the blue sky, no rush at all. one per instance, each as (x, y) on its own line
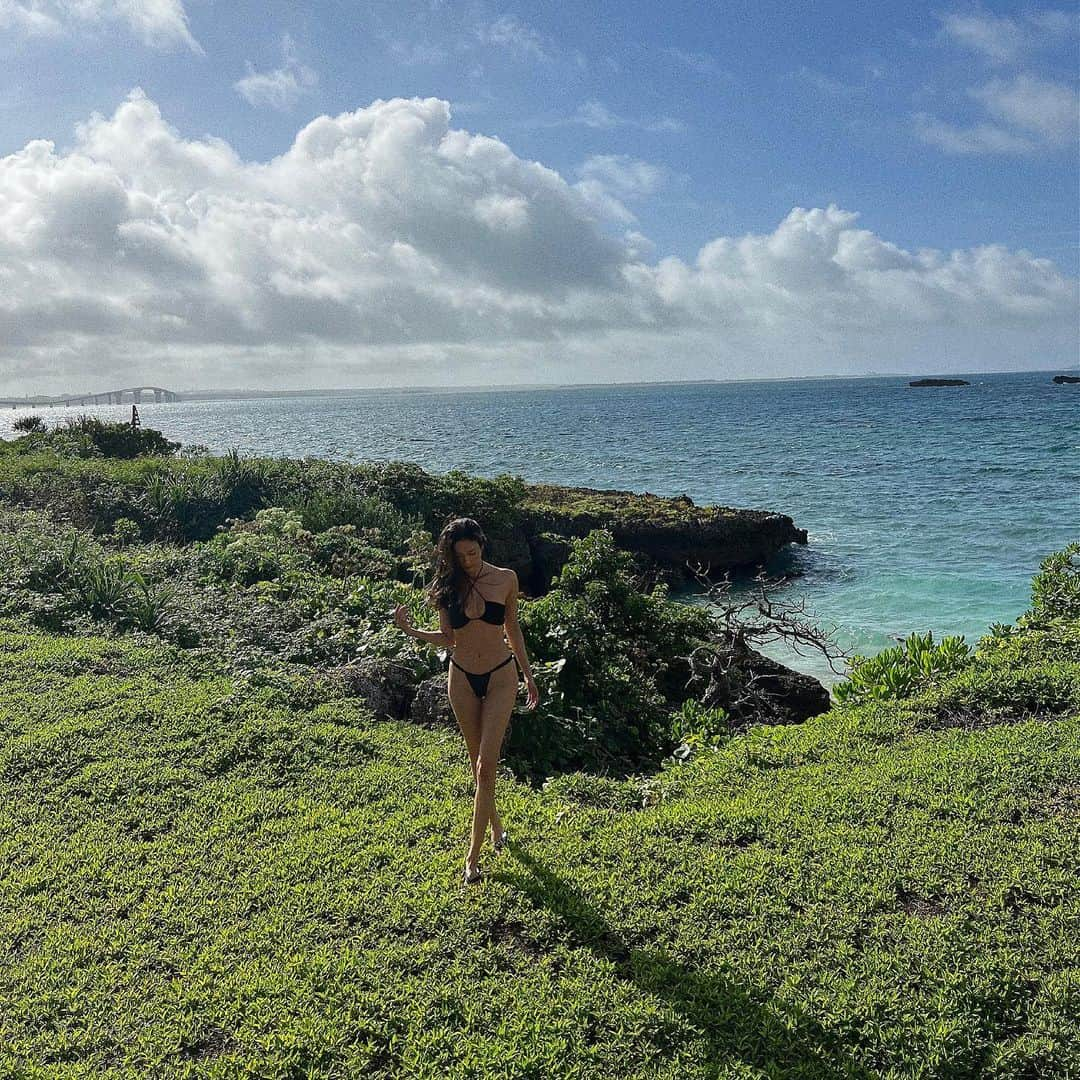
(944, 127)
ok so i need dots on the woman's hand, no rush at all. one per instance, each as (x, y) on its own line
(403, 620)
(533, 693)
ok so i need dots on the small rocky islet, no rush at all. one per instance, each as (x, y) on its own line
(939, 382)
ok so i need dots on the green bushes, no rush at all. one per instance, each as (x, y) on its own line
(69, 574)
(898, 672)
(997, 693)
(181, 498)
(610, 647)
(696, 727)
(89, 436)
(1055, 590)
(276, 542)
(263, 593)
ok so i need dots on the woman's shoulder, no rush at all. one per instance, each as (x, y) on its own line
(504, 581)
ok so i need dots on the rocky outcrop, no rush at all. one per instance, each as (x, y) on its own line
(386, 685)
(1061, 380)
(390, 690)
(755, 689)
(939, 382)
(430, 705)
(667, 536)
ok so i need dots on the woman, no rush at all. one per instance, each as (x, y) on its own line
(475, 600)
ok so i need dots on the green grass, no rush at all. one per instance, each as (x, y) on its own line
(207, 876)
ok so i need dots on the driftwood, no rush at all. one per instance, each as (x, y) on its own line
(728, 672)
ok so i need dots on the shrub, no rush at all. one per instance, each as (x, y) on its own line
(610, 647)
(993, 693)
(695, 727)
(119, 440)
(187, 506)
(257, 550)
(29, 424)
(900, 671)
(1055, 590)
(58, 577)
(125, 532)
(275, 542)
(341, 552)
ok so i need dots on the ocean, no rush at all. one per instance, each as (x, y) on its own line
(926, 509)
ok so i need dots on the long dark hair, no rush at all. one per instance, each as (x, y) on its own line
(450, 580)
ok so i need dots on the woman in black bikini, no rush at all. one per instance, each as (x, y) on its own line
(475, 600)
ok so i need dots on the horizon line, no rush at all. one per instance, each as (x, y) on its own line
(563, 386)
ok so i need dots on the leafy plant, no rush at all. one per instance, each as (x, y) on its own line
(696, 727)
(609, 706)
(898, 672)
(149, 606)
(126, 532)
(102, 587)
(1055, 590)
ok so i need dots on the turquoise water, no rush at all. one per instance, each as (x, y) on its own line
(927, 509)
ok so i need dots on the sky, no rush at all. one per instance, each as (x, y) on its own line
(206, 195)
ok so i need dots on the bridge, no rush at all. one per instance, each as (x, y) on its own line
(107, 397)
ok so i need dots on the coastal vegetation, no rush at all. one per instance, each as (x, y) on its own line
(222, 860)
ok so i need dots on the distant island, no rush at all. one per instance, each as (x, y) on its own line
(939, 382)
(1062, 379)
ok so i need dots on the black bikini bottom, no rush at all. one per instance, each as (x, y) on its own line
(479, 680)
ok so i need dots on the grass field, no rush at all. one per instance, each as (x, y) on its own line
(206, 875)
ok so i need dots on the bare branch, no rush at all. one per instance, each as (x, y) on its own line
(761, 618)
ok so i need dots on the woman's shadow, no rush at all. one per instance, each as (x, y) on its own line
(737, 1025)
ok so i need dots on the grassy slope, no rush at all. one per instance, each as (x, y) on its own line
(205, 879)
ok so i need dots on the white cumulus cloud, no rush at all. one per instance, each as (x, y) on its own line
(281, 88)
(385, 245)
(161, 24)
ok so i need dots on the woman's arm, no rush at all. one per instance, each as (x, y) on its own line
(513, 630)
(444, 636)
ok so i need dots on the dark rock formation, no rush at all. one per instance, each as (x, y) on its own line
(390, 690)
(430, 705)
(1061, 380)
(665, 534)
(755, 689)
(939, 382)
(386, 685)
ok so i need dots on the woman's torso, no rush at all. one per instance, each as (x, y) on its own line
(480, 644)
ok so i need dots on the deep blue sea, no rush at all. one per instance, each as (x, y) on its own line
(927, 509)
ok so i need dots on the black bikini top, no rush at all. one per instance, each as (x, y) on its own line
(493, 613)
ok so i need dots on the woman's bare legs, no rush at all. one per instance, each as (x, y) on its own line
(466, 707)
(494, 719)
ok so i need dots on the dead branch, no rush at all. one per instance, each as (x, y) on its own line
(761, 618)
